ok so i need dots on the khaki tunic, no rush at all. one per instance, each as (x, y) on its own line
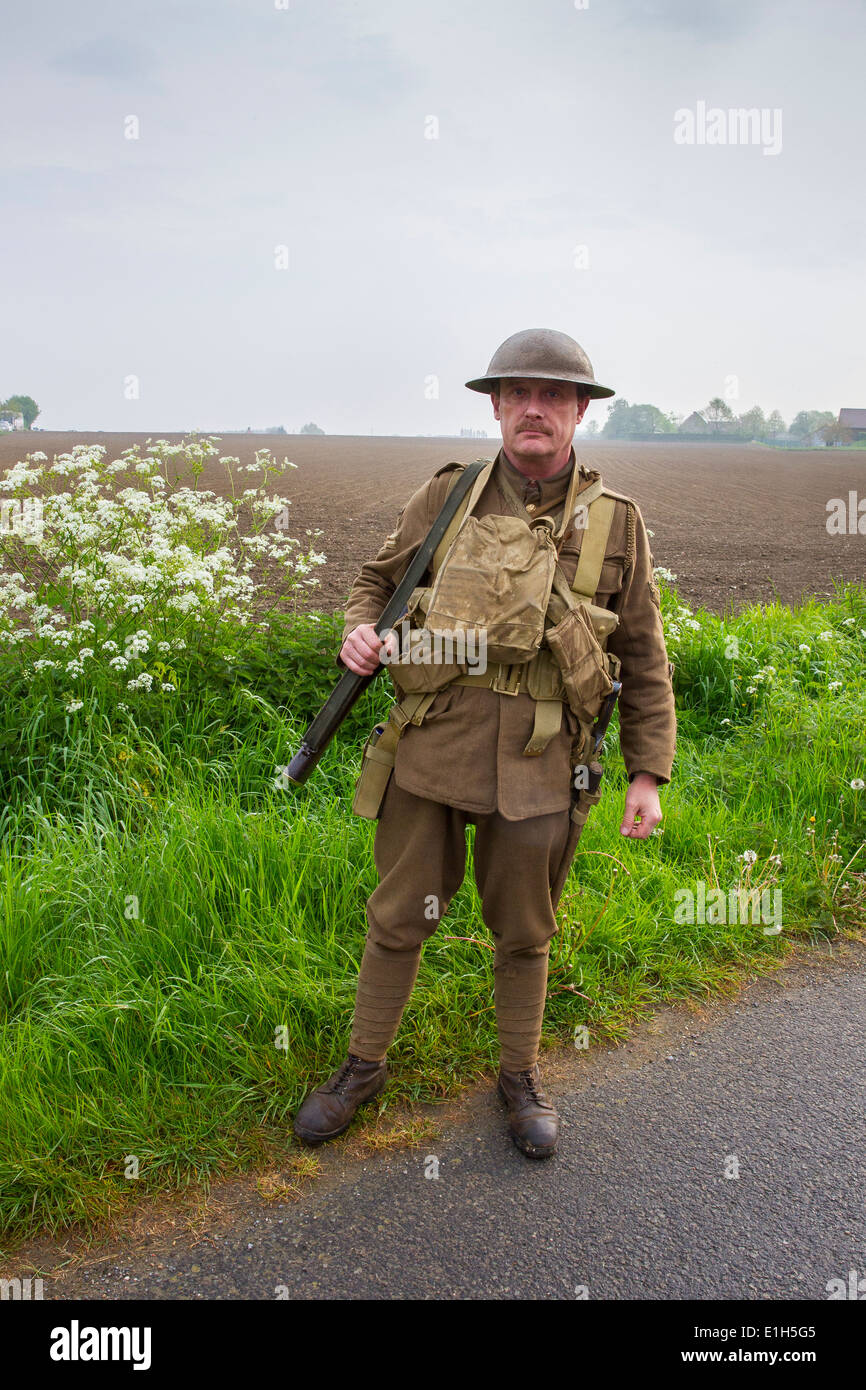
(468, 753)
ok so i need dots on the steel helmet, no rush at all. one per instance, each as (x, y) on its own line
(543, 353)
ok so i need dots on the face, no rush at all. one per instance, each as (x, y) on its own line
(538, 419)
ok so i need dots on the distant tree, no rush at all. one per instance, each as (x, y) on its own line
(22, 405)
(276, 429)
(617, 418)
(624, 420)
(311, 428)
(753, 424)
(775, 424)
(810, 422)
(648, 419)
(834, 433)
(718, 413)
(592, 428)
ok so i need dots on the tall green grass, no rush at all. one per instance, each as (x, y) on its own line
(180, 935)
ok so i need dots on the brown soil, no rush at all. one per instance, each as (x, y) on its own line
(737, 525)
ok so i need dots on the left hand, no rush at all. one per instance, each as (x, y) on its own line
(642, 800)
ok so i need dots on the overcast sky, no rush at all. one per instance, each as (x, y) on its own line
(707, 269)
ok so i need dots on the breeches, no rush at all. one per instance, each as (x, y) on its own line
(420, 855)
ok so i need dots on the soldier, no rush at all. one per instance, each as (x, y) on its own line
(498, 750)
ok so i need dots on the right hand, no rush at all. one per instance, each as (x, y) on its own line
(360, 651)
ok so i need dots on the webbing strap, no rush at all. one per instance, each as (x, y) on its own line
(548, 722)
(462, 512)
(593, 548)
(410, 710)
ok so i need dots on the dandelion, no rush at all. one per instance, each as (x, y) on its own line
(858, 784)
(775, 859)
(748, 856)
(804, 647)
(826, 636)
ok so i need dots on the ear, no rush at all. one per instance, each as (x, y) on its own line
(582, 403)
(494, 396)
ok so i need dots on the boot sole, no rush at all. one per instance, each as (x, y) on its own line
(530, 1150)
(311, 1137)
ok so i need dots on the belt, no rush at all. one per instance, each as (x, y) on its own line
(506, 679)
(511, 680)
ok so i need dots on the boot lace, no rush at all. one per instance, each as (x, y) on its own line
(344, 1074)
(528, 1079)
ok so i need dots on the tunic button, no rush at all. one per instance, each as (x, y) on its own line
(530, 506)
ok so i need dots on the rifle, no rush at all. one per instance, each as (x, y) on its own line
(351, 686)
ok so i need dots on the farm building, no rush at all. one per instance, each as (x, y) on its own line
(694, 424)
(853, 420)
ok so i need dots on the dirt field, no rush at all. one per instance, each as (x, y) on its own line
(735, 524)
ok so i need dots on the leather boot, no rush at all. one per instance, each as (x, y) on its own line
(329, 1110)
(532, 1121)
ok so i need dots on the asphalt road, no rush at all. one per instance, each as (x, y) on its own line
(636, 1204)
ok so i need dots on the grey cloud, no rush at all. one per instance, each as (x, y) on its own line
(107, 56)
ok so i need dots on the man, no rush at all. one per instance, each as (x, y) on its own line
(476, 756)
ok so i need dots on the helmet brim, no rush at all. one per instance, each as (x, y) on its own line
(486, 384)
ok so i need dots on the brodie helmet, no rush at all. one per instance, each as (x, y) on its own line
(542, 353)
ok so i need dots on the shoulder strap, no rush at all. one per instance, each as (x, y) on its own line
(463, 510)
(593, 547)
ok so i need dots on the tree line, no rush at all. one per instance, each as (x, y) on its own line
(624, 420)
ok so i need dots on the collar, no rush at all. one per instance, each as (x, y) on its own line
(545, 495)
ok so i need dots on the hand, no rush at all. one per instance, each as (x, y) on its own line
(361, 649)
(642, 800)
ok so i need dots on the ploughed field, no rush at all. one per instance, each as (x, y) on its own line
(735, 524)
